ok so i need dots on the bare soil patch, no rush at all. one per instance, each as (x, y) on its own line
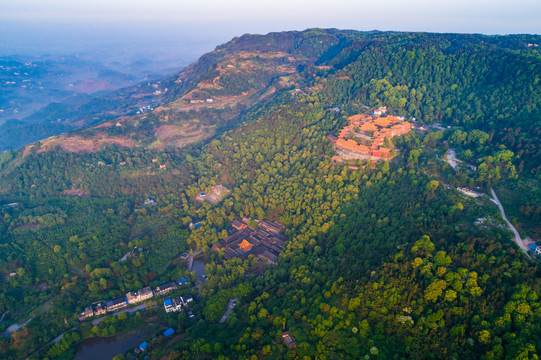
(165, 132)
(75, 192)
(178, 135)
(110, 123)
(81, 145)
(31, 226)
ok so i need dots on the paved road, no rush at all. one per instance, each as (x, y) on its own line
(59, 337)
(135, 308)
(16, 327)
(518, 239)
(230, 307)
(4, 314)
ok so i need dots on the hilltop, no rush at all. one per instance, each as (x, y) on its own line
(206, 97)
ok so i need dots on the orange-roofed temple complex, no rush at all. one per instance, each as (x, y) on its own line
(364, 137)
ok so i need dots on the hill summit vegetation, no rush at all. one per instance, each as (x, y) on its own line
(384, 259)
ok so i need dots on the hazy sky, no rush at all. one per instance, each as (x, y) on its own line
(483, 16)
(84, 23)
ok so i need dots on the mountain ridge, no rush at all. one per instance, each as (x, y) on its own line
(324, 45)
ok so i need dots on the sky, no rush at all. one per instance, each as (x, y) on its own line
(482, 16)
(62, 25)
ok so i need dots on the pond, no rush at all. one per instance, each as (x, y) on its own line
(109, 347)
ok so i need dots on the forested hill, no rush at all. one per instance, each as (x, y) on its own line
(475, 81)
(383, 260)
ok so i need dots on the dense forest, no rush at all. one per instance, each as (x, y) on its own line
(384, 259)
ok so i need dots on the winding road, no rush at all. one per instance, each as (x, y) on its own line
(518, 239)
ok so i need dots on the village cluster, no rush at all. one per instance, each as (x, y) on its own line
(134, 297)
(364, 137)
(264, 243)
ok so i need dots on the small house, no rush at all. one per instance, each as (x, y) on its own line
(116, 304)
(182, 281)
(138, 296)
(186, 299)
(172, 305)
(536, 248)
(288, 339)
(89, 312)
(150, 202)
(100, 309)
(165, 288)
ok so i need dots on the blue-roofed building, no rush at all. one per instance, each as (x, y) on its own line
(143, 346)
(172, 305)
(150, 201)
(168, 332)
(182, 281)
(535, 248)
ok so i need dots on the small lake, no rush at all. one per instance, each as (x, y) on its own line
(108, 348)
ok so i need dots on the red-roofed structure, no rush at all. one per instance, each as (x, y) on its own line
(364, 137)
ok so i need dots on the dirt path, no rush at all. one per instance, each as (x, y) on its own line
(518, 239)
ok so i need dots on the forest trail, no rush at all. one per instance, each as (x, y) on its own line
(4, 314)
(518, 239)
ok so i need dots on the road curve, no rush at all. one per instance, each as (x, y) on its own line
(518, 239)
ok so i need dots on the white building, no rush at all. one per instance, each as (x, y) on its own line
(172, 305)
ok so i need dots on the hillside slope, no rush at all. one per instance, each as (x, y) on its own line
(208, 95)
(383, 260)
